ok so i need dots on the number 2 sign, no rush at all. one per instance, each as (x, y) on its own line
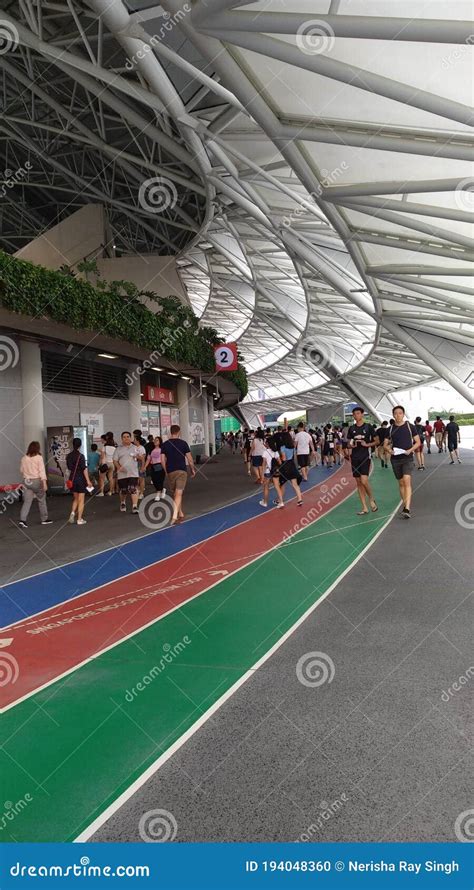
(226, 357)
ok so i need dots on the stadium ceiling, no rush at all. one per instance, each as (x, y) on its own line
(310, 170)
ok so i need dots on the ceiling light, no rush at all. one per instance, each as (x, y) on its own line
(185, 378)
(172, 373)
(106, 355)
(156, 369)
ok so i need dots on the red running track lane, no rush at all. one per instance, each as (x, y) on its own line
(65, 636)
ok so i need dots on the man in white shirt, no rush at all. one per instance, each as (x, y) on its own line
(304, 446)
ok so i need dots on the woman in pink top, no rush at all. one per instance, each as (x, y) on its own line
(34, 484)
(156, 468)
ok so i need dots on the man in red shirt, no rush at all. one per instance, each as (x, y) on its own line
(439, 433)
(428, 435)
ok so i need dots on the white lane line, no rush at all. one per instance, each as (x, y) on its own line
(155, 766)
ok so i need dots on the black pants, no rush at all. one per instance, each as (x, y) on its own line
(157, 476)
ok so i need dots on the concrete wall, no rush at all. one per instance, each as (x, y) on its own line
(62, 409)
(70, 241)
(11, 425)
(155, 273)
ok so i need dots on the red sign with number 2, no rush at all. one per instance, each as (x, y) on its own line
(226, 357)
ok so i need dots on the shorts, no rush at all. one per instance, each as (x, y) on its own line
(130, 485)
(257, 461)
(79, 486)
(360, 466)
(452, 445)
(289, 471)
(402, 466)
(303, 460)
(177, 480)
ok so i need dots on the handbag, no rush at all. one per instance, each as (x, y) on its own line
(70, 481)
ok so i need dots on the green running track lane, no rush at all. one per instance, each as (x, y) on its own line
(77, 745)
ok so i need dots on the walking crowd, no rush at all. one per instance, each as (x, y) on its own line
(274, 457)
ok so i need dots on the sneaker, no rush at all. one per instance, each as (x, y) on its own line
(405, 514)
(163, 492)
(100, 494)
(280, 506)
(451, 462)
(135, 510)
(22, 524)
(459, 461)
(263, 504)
(158, 497)
(82, 521)
(109, 494)
(72, 518)
(46, 522)
(299, 503)
(123, 508)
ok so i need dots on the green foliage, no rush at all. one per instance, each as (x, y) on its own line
(114, 309)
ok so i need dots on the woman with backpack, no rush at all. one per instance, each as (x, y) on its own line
(78, 481)
(288, 471)
(271, 463)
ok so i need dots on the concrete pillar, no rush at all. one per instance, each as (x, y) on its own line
(212, 429)
(32, 393)
(134, 398)
(205, 421)
(183, 404)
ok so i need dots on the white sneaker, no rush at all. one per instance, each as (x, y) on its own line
(158, 497)
(163, 492)
(82, 521)
(280, 506)
(263, 504)
(72, 518)
(100, 494)
(110, 494)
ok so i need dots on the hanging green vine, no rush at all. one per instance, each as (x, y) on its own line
(113, 308)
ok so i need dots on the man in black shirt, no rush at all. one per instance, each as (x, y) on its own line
(401, 444)
(382, 433)
(454, 439)
(361, 437)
